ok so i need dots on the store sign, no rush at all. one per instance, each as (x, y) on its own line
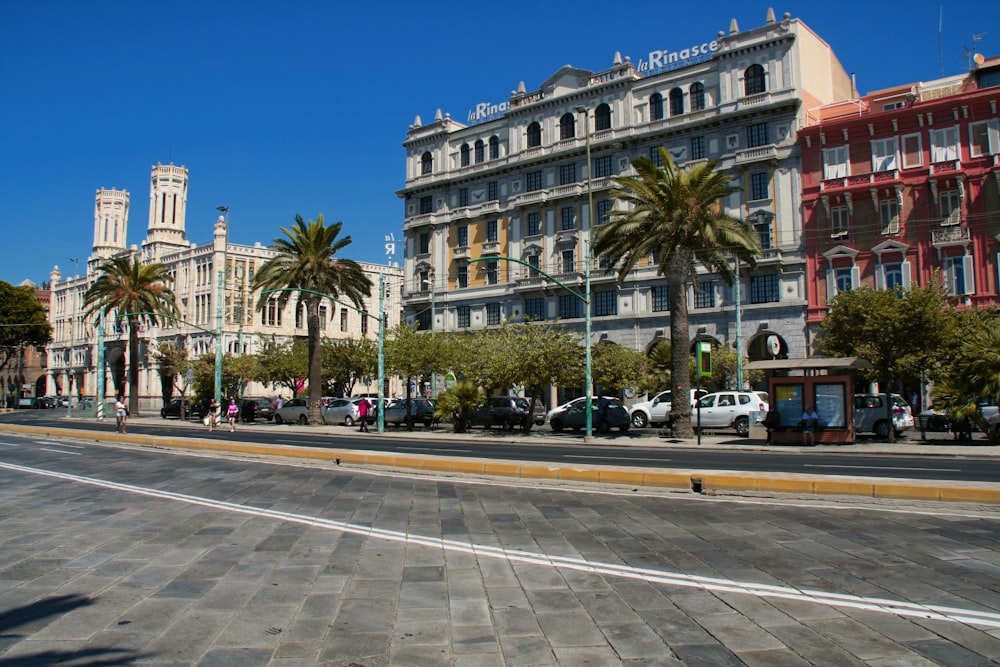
(486, 111)
(661, 61)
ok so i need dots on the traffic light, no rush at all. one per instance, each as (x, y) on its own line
(704, 358)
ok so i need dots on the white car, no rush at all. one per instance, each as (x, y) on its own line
(869, 414)
(657, 410)
(729, 409)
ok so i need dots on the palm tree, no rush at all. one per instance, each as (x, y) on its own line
(676, 215)
(137, 292)
(306, 262)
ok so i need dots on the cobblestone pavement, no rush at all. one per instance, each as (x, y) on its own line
(111, 554)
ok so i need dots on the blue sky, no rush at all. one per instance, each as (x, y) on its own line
(301, 107)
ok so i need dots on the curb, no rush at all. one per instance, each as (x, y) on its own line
(704, 482)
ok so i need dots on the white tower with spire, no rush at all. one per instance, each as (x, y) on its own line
(110, 221)
(167, 209)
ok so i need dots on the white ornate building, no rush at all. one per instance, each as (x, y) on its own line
(72, 355)
(513, 180)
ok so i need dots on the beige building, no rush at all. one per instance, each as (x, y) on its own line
(516, 178)
(72, 355)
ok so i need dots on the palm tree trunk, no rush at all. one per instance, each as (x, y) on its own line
(680, 348)
(315, 363)
(133, 366)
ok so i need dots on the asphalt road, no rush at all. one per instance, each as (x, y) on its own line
(113, 554)
(637, 448)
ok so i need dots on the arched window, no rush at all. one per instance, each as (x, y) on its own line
(697, 95)
(480, 151)
(567, 126)
(602, 118)
(494, 147)
(656, 107)
(534, 135)
(426, 163)
(676, 102)
(753, 80)
(466, 155)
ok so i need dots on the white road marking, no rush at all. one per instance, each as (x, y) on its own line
(611, 458)
(875, 604)
(817, 465)
(60, 451)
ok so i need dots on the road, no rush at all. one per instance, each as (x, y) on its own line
(638, 448)
(116, 554)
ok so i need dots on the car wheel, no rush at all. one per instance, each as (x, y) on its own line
(278, 419)
(882, 429)
(639, 419)
(303, 420)
(428, 423)
(624, 427)
(742, 427)
(348, 420)
(163, 414)
(557, 425)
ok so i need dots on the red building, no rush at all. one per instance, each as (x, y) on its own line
(901, 183)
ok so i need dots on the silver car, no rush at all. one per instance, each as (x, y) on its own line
(296, 410)
(345, 411)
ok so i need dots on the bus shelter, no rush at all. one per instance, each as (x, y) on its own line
(820, 382)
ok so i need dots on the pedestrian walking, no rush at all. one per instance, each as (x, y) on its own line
(363, 410)
(232, 412)
(121, 414)
(213, 411)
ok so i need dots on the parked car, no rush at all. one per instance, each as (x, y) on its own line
(252, 409)
(293, 411)
(503, 411)
(574, 415)
(657, 410)
(346, 411)
(173, 409)
(47, 402)
(422, 410)
(28, 402)
(870, 415)
(729, 410)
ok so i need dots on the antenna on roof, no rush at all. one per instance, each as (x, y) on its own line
(940, 52)
(970, 52)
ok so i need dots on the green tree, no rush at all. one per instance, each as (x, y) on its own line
(284, 364)
(173, 360)
(724, 371)
(306, 260)
(413, 356)
(899, 332)
(236, 371)
(971, 370)
(348, 360)
(676, 214)
(24, 321)
(616, 367)
(141, 294)
(656, 377)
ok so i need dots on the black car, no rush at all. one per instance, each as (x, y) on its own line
(256, 408)
(503, 411)
(47, 402)
(173, 409)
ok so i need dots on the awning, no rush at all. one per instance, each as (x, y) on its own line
(811, 363)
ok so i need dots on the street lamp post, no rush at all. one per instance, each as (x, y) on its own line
(430, 284)
(589, 381)
(218, 311)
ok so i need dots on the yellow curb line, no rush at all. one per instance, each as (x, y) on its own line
(707, 482)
